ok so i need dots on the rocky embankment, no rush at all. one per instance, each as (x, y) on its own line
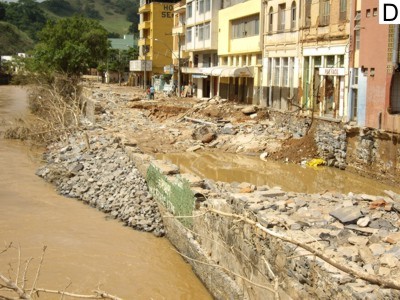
(103, 177)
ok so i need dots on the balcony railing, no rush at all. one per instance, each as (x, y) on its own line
(144, 25)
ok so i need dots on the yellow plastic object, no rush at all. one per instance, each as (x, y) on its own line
(316, 162)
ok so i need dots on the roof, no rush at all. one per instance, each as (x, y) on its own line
(129, 41)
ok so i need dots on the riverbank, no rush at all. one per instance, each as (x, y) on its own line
(86, 249)
(229, 254)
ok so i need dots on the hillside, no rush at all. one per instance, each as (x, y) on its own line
(12, 40)
(117, 16)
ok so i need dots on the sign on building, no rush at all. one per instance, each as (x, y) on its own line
(139, 65)
(332, 71)
(169, 69)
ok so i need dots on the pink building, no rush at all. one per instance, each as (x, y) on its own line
(377, 60)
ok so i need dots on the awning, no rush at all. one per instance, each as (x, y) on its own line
(228, 71)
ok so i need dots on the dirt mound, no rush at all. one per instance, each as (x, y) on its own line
(297, 150)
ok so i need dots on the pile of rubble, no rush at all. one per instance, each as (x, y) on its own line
(99, 173)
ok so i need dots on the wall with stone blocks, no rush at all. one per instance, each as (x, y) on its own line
(365, 150)
(238, 261)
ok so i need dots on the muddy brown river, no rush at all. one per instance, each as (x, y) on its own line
(85, 249)
(290, 177)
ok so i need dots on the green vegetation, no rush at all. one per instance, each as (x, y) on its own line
(12, 40)
(117, 16)
(65, 47)
(26, 15)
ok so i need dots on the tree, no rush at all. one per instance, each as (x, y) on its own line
(70, 46)
(26, 15)
(59, 7)
(118, 60)
(2, 11)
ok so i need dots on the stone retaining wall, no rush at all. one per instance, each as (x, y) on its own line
(255, 265)
(365, 150)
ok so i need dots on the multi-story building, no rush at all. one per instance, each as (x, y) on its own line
(180, 55)
(239, 51)
(201, 42)
(282, 54)
(324, 41)
(155, 38)
(375, 81)
(306, 46)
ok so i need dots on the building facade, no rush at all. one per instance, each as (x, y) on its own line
(201, 44)
(239, 50)
(375, 83)
(282, 54)
(306, 46)
(180, 55)
(155, 38)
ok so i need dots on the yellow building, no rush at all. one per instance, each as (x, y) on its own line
(155, 39)
(239, 52)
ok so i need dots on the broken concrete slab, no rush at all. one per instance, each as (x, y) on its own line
(347, 214)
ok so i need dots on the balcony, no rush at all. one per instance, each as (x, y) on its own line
(180, 7)
(144, 8)
(142, 42)
(180, 29)
(144, 25)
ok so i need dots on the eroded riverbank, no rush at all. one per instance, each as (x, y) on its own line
(83, 247)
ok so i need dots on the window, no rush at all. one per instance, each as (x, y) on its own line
(189, 10)
(200, 32)
(259, 59)
(207, 5)
(324, 12)
(206, 60)
(308, 13)
(189, 35)
(368, 13)
(285, 71)
(293, 16)
(375, 12)
(277, 71)
(330, 61)
(245, 27)
(270, 20)
(372, 72)
(343, 10)
(207, 31)
(269, 72)
(200, 6)
(395, 94)
(357, 30)
(281, 17)
(291, 75)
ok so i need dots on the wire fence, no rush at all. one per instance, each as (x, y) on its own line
(174, 194)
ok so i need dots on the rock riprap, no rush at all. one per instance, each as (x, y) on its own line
(103, 177)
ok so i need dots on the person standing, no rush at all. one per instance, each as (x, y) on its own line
(152, 92)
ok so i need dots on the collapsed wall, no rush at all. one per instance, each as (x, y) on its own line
(367, 151)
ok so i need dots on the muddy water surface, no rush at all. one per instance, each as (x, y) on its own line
(85, 250)
(241, 168)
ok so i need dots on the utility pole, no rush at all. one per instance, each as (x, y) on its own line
(145, 65)
(179, 65)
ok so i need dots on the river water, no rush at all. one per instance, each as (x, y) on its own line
(290, 177)
(85, 249)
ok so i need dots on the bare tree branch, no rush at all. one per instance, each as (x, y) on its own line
(379, 280)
